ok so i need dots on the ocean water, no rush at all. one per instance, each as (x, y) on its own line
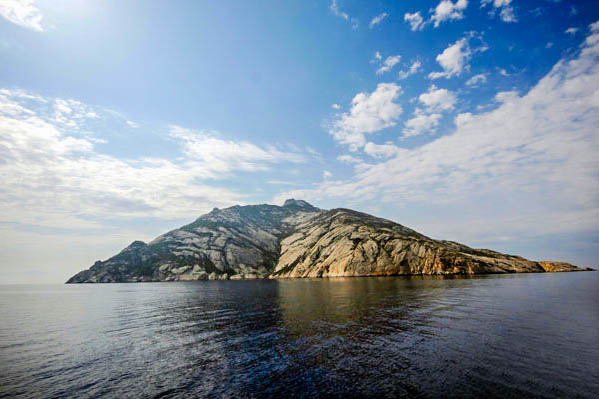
(527, 335)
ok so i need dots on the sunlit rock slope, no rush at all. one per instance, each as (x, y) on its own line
(298, 240)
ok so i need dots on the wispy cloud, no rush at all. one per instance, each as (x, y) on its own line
(334, 7)
(23, 13)
(348, 159)
(54, 176)
(415, 67)
(216, 156)
(506, 11)
(376, 20)
(476, 80)
(388, 64)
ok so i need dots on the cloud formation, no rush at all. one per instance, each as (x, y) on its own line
(415, 67)
(453, 59)
(447, 10)
(334, 7)
(54, 176)
(438, 99)
(376, 20)
(421, 122)
(474, 81)
(23, 13)
(369, 113)
(506, 11)
(216, 156)
(415, 20)
(336, 11)
(528, 166)
(388, 64)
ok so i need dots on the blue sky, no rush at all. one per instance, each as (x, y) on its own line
(474, 121)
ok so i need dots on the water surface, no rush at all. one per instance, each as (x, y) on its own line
(528, 335)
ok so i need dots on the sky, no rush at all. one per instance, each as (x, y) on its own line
(468, 120)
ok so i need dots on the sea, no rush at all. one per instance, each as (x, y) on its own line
(495, 336)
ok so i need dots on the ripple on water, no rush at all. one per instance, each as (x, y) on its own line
(498, 336)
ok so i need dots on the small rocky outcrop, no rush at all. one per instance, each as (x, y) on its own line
(552, 266)
(298, 240)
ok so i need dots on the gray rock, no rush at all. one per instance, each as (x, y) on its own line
(298, 240)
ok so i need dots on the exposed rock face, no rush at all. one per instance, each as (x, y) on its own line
(297, 240)
(342, 242)
(551, 266)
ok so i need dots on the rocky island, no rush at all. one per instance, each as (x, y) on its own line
(298, 240)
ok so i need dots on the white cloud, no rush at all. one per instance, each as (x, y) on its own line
(349, 159)
(474, 81)
(415, 67)
(336, 106)
(415, 20)
(527, 166)
(453, 59)
(507, 13)
(571, 31)
(369, 113)
(220, 156)
(326, 175)
(549, 45)
(422, 122)
(341, 14)
(496, 3)
(53, 176)
(132, 124)
(427, 120)
(335, 9)
(281, 182)
(388, 64)
(380, 150)
(503, 72)
(447, 10)
(23, 13)
(312, 151)
(378, 56)
(378, 19)
(437, 100)
(506, 96)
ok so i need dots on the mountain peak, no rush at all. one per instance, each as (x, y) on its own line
(301, 204)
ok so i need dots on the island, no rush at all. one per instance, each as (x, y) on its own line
(298, 240)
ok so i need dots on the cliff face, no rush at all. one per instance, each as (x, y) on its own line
(298, 240)
(342, 242)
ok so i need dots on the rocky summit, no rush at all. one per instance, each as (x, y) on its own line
(298, 240)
